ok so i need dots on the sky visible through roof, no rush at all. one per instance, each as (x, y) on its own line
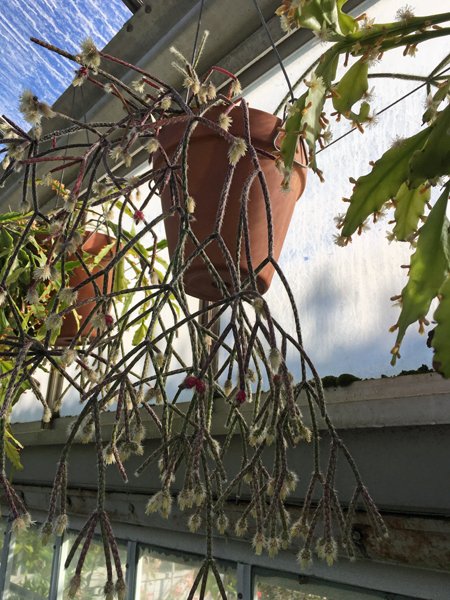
(65, 23)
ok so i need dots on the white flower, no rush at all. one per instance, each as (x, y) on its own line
(53, 322)
(68, 296)
(194, 522)
(152, 145)
(44, 273)
(225, 121)
(275, 359)
(61, 524)
(68, 357)
(90, 56)
(138, 85)
(237, 150)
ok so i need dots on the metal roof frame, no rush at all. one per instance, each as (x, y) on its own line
(239, 42)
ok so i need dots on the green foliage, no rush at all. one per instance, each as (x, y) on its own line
(441, 334)
(428, 270)
(405, 173)
(324, 17)
(372, 191)
(352, 87)
(409, 208)
(433, 159)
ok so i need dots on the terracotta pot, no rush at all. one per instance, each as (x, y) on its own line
(207, 167)
(93, 243)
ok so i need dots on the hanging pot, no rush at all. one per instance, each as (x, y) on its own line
(207, 167)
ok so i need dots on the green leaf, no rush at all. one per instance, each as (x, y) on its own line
(15, 274)
(428, 269)
(103, 252)
(12, 216)
(433, 159)
(441, 336)
(409, 207)
(438, 97)
(139, 334)
(120, 280)
(12, 452)
(352, 87)
(326, 18)
(373, 190)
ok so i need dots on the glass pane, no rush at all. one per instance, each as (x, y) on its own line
(29, 567)
(65, 23)
(278, 587)
(93, 577)
(163, 576)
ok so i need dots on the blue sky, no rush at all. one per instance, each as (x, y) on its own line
(65, 23)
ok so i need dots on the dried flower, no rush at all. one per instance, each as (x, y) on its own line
(80, 77)
(74, 586)
(225, 121)
(273, 545)
(32, 109)
(108, 455)
(405, 13)
(90, 56)
(47, 416)
(138, 85)
(258, 305)
(327, 550)
(228, 387)
(94, 376)
(185, 499)
(44, 273)
(159, 359)
(222, 523)
(160, 502)
(152, 145)
(304, 557)
(190, 204)
(235, 88)
(275, 359)
(199, 495)
(53, 322)
(237, 150)
(166, 102)
(121, 589)
(258, 542)
(46, 532)
(241, 527)
(61, 524)
(194, 522)
(21, 523)
(108, 590)
(68, 296)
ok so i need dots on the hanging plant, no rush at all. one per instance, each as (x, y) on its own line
(133, 365)
(403, 176)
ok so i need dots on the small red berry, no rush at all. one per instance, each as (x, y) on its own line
(200, 386)
(109, 320)
(138, 216)
(241, 397)
(190, 382)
